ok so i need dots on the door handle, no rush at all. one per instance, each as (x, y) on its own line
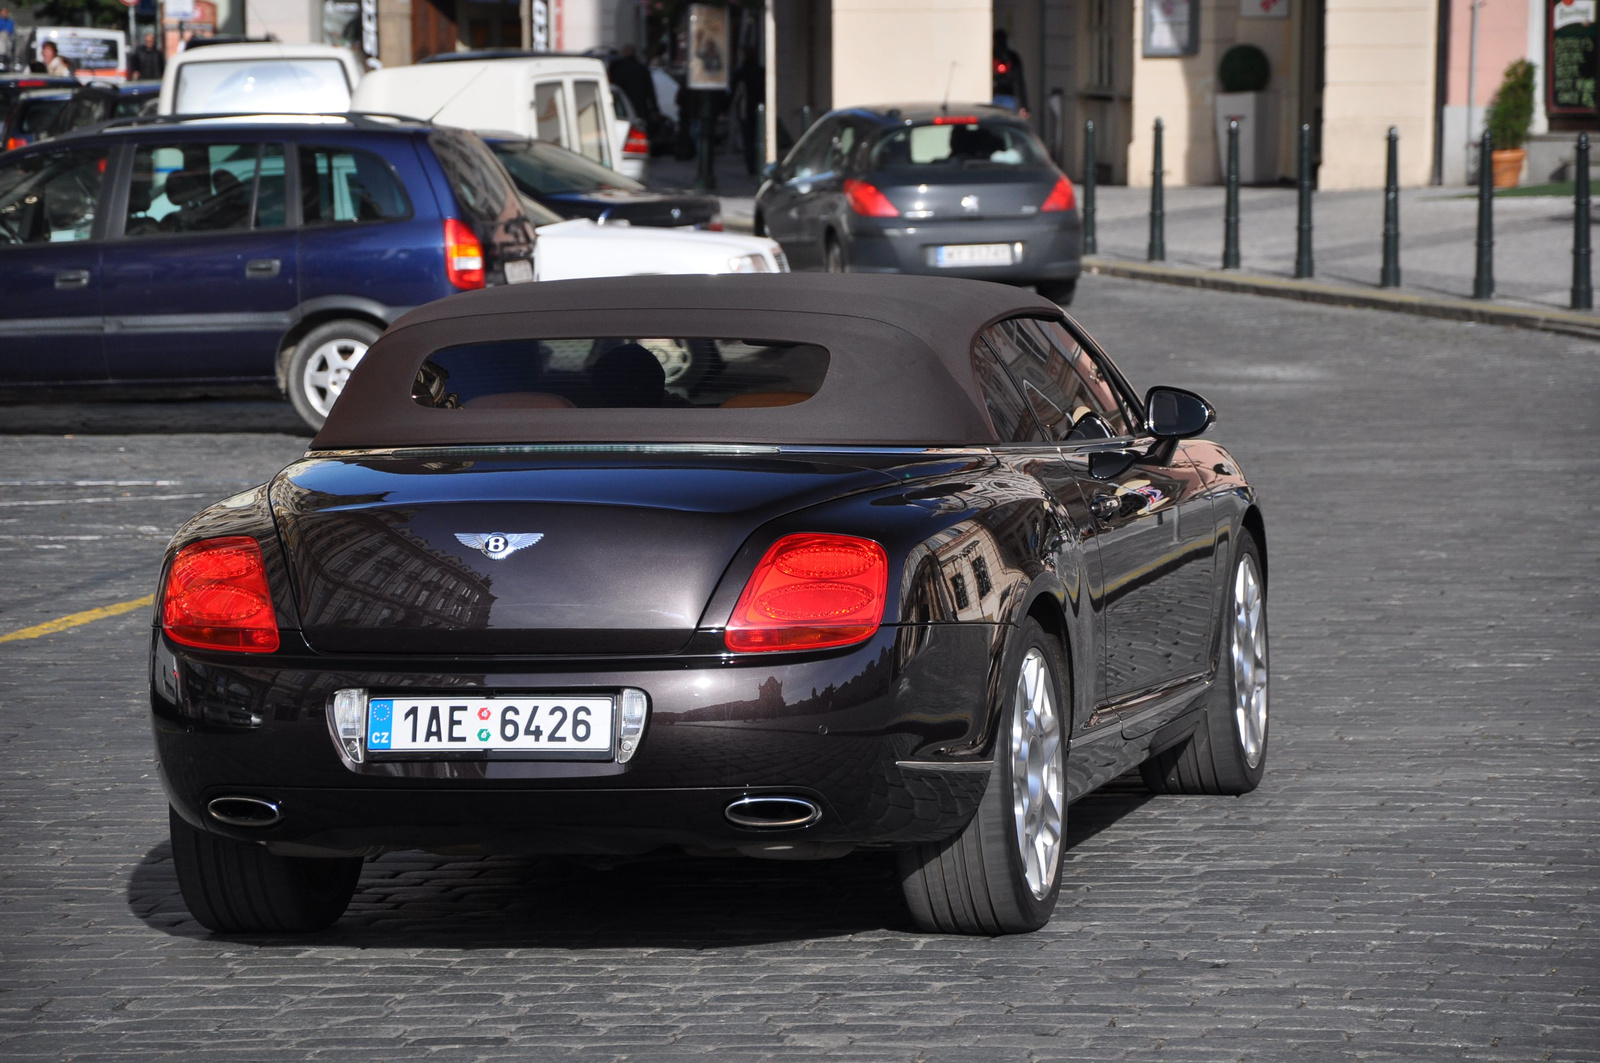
(68, 279)
(262, 267)
(1105, 506)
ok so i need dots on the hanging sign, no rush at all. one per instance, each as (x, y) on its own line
(708, 46)
(1571, 62)
(1171, 27)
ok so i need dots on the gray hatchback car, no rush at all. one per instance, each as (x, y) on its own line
(960, 190)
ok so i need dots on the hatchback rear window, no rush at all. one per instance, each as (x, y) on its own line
(280, 86)
(948, 144)
(621, 372)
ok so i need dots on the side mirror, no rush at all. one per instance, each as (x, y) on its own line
(770, 171)
(1172, 413)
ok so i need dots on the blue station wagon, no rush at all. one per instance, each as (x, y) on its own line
(188, 254)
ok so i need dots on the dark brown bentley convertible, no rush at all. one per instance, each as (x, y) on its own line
(782, 566)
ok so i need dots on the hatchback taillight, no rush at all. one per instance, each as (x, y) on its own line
(810, 592)
(463, 255)
(638, 143)
(865, 199)
(217, 597)
(1060, 198)
(13, 143)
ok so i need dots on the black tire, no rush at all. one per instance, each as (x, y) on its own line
(758, 225)
(236, 888)
(1213, 760)
(833, 260)
(328, 341)
(1058, 292)
(976, 882)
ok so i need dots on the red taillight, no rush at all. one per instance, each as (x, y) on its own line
(956, 119)
(638, 143)
(217, 598)
(463, 255)
(866, 199)
(810, 592)
(13, 143)
(1061, 197)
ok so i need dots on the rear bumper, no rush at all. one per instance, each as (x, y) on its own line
(862, 734)
(1051, 246)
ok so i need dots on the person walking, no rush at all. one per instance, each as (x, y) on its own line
(633, 78)
(8, 37)
(1010, 89)
(147, 63)
(749, 87)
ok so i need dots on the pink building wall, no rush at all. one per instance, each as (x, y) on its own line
(1502, 39)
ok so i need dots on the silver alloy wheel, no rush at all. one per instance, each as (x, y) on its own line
(1037, 797)
(327, 369)
(1249, 660)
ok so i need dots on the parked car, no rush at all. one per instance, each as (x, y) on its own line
(575, 187)
(260, 78)
(14, 85)
(578, 248)
(962, 191)
(95, 54)
(634, 159)
(212, 269)
(561, 99)
(31, 116)
(101, 101)
(912, 568)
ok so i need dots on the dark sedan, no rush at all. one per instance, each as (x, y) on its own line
(960, 191)
(524, 595)
(100, 102)
(14, 85)
(575, 187)
(31, 116)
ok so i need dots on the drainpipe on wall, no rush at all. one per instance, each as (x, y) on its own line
(1472, 80)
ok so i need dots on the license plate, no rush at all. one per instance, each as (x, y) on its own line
(544, 726)
(519, 271)
(972, 255)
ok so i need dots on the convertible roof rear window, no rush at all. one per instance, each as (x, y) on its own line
(620, 372)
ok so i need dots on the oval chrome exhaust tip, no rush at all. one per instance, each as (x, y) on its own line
(244, 811)
(772, 813)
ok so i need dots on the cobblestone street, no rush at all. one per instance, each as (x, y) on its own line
(1418, 876)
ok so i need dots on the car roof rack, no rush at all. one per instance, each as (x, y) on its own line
(378, 120)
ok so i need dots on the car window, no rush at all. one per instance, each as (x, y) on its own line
(83, 109)
(341, 185)
(1090, 385)
(191, 187)
(811, 155)
(593, 141)
(612, 372)
(538, 168)
(843, 144)
(272, 194)
(944, 144)
(547, 108)
(129, 104)
(50, 197)
(1008, 410)
(1058, 378)
(38, 116)
(285, 86)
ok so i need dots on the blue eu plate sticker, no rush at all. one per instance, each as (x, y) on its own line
(380, 715)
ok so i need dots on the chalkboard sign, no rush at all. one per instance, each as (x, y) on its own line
(1572, 62)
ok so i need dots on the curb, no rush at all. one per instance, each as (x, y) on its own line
(1584, 326)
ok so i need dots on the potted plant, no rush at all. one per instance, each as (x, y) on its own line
(1510, 113)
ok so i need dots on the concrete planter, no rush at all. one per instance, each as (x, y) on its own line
(1507, 167)
(1256, 113)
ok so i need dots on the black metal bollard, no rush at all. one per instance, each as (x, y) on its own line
(1230, 213)
(1390, 278)
(1158, 213)
(1582, 286)
(1302, 250)
(1483, 275)
(1089, 245)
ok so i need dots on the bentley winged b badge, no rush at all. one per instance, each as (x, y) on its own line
(497, 546)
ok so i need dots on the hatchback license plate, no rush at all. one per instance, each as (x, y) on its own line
(972, 255)
(519, 271)
(544, 726)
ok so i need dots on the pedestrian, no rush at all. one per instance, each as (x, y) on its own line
(8, 36)
(1010, 90)
(749, 92)
(50, 57)
(148, 63)
(633, 78)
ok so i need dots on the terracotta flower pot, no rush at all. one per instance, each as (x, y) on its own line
(1508, 167)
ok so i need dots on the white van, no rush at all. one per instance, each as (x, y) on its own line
(96, 55)
(260, 78)
(565, 99)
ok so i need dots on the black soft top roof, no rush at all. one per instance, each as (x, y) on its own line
(900, 359)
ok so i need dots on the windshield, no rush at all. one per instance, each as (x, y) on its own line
(280, 86)
(946, 144)
(541, 169)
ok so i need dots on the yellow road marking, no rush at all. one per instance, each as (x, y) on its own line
(88, 616)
